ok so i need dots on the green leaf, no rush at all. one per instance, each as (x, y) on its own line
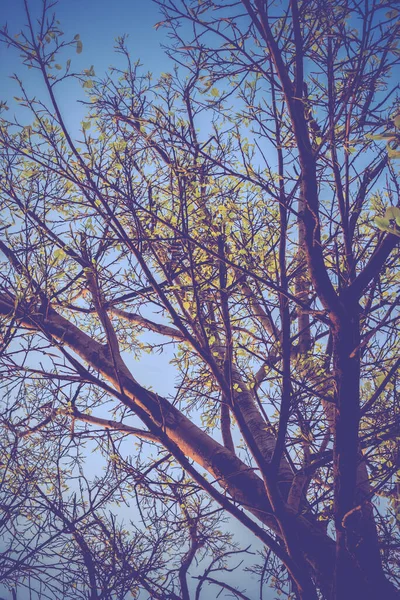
(88, 84)
(382, 136)
(397, 120)
(393, 153)
(86, 125)
(393, 214)
(89, 72)
(58, 254)
(214, 92)
(380, 379)
(77, 37)
(79, 46)
(382, 224)
(58, 67)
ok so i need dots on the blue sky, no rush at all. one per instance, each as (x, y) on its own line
(98, 22)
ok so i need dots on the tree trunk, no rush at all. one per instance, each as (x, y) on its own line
(358, 560)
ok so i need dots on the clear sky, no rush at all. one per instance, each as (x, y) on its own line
(98, 22)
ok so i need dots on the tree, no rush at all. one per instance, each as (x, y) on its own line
(223, 212)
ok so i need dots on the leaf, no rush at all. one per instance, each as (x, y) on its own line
(88, 84)
(86, 125)
(397, 120)
(380, 379)
(393, 153)
(58, 254)
(89, 72)
(214, 92)
(79, 47)
(77, 37)
(384, 225)
(222, 209)
(382, 136)
(381, 223)
(58, 67)
(393, 214)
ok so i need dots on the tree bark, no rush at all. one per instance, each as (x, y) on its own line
(356, 536)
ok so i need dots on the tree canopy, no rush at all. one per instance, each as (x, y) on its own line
(237, 219)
